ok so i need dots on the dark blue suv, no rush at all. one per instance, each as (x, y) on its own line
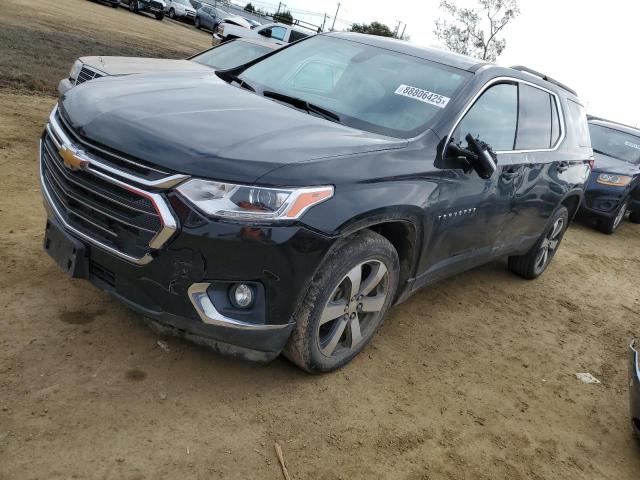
(286, 205)
(614, 185)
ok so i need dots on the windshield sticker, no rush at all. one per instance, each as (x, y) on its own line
(425, 96)
(632, 145)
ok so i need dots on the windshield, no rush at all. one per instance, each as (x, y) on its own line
(615, 143)
(230, 55)
(369, 88)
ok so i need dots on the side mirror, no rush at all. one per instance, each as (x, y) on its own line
(265, 33)
(478, 155)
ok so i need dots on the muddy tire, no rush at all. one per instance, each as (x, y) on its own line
(534, 263)
(345, 304)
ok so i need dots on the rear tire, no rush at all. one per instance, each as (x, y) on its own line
(133, 6)
(534, 263)
(159, 16)
(610, 225)
(345, 304)
(172, 14)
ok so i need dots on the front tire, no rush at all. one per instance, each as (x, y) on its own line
(159, 16)
(345, 304)
(534, 263)
(610, 225)
(196, 23)
(172, 14)
(133, 6)
(634, 216)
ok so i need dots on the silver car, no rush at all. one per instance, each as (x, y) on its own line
(221, 57)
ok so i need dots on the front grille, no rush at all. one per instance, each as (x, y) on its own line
(87, 74)
(156, 5)
(108, 213)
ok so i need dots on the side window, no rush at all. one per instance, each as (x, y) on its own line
(493, 118)
(578, 122)
(278, 33)
(534, 119)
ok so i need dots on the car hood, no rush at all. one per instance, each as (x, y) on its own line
(606, 164)
(130, 65)
(199, 125)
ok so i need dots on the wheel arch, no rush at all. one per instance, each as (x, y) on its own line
(572, 202)
(403, 230)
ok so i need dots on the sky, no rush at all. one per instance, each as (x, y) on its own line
(588, 45)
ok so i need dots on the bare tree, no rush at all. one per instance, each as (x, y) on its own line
(475, 32)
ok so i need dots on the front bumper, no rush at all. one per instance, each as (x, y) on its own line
(604, 201)
(179, 289)
(634, 385)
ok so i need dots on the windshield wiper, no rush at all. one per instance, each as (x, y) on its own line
(303, 105)
(239, 81)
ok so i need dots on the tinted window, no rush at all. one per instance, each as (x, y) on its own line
(493, 118)
(615, 143)
(578, 121)
(534, 119)
(296, 35)
(231, 54)
(370, 88)
(278, 32)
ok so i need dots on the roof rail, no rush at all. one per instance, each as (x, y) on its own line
(544, 77)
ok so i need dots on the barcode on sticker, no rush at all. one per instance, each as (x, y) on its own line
(423, 95)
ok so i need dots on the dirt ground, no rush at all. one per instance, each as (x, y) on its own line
(470, 379)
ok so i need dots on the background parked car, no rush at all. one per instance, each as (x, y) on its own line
(221, 57)
(209, 17)
(154, 7)
(279, 33)
(181, 10)
(614, 184)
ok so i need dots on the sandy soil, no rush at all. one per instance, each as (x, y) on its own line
(470, 379)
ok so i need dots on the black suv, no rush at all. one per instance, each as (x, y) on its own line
(286, 205)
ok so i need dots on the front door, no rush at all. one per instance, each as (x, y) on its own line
(474, 212)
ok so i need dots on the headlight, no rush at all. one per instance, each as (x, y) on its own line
(75, 70)
(613, 180)
(252, 203)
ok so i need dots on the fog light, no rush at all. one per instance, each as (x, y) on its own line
(242, 295)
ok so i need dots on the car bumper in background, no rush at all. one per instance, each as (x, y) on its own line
(634, 385)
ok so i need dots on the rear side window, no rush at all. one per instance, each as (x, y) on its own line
(578, 122)
(493, 118)
(278, 33)
(534, 119)
(295, 36)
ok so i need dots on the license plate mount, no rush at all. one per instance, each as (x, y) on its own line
(67, 251)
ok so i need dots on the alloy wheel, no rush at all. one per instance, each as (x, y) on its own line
(349, 315)
(549, 244)
(620, 216)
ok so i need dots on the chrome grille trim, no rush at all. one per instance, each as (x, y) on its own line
(61, 139)
(168, 222)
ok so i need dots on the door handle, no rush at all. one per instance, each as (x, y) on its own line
(509, 173)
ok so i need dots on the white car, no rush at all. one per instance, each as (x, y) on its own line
(278, 33)
(180, 9)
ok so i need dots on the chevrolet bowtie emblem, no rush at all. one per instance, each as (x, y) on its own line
(71, 159)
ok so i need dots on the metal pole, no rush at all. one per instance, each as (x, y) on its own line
(402, 36)
(334, 18)
(397, 30)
